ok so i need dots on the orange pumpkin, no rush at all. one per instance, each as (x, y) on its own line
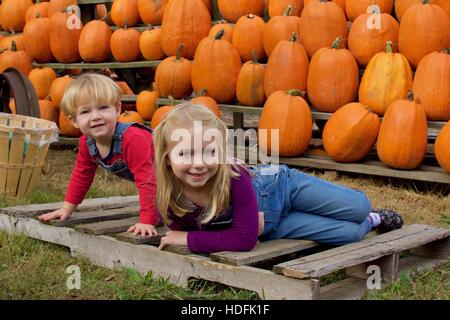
(424, 28)
(101, 12)
(216, 67)
(42, 79)
(184, 22)
(321, 23)
(341, 3)
(228, 30)
(59, 6)
(94, 42)
(130, 116)
(444, 4)
(328, 90)
(431, 85)
(146, 103)
(159, 115)
(277, 7)
(125, 12)
(64, 40)
(441, 149)
(58, 88)
(47, 111)
(289, 114)
(150, 44)
(36, 39)
(350, 132)
(66, 127)
(14, 58)
(39, 7)
(6, 42)
(387, 78)
(287, 56)
(151, 12)
(250, 84)
(402, 5)
(232, 10)
(354, 8)
(208, 102)
(125, 44)
(12, 14)
(248, 36)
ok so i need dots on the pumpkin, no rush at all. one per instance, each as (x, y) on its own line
(36, 39)
(12, 14)
(365, 42)
(101, 12)
(130, 116)
(66, 127)
(444, 4)
(94, 42)
(12, 106)
(125, 12)
(354, 8)
(187, 22)
(47, 111)
(42, 79)
(14, 58)
(387, 78)
(6, 43)
(403, 136)
(216, 67)
(206, 101)
(124, 88)
(341, 3)
(350, 132)
(209, 6)
(150, 44)
(173, 76)
(63, 40)
(277, 7)
(402, 5)
(287, 56)
(41, 7)
(280, 28)
(125, 44)
(159, 115)
(432, 85)
(289, 114)
(250, 84)
(146, 103)
(227, 27)
(59, 6)
(424, 28)
(328, 88)
(248, 35)
(441, 149)
(58, 88)
(232, 10)
(151, 12)
(321, 23)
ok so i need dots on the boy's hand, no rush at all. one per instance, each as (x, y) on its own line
(143, 229)
(62, 214)
(178, 238)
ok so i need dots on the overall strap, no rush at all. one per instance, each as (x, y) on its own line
(117, 136)
(91, 146)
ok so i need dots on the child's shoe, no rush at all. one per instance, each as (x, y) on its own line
(390, 220)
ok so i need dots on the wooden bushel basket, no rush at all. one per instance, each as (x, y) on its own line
(24, 142)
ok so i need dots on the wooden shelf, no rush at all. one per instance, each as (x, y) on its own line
(104, 65)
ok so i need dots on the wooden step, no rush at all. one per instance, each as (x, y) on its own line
(107, 227)
(332, 260)
(138, 239)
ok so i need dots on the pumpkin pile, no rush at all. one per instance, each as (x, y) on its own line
(357, 59)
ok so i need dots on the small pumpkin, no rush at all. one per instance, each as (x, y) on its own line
(124, 44)
(227, 27)
(47, 111)
(66, 127)
(41, 7)
(14, 58)
(6, 42)
(232, 10)
(441, 149)
(159, 115)
(277, 7)
(151, 12)
(341, 3)
(94, 42)
(150, 44)
(130, 116)
(250, 84)
(125, 12)
(42, 79)
(248, 35)
(351, 132)
(36, 39)
(58, 88)
(146, 103)
(206, 101)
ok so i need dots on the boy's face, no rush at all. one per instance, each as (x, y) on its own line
(97, 120)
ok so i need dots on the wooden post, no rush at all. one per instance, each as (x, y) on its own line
(388, 267)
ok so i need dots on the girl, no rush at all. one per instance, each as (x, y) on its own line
(212, 203)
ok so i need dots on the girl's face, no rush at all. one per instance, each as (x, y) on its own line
(97, 120)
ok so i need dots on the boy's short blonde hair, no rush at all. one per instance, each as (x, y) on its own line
(90, 87)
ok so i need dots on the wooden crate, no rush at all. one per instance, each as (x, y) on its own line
(280, 269)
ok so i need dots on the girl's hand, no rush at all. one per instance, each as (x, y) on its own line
(143, 229)
(62, 214)
(260, 223)
(178, 238)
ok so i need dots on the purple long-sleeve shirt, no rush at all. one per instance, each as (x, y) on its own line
(242, 235)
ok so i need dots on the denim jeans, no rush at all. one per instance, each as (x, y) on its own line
(299, 206)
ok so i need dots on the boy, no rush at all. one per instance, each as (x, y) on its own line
(92, 102)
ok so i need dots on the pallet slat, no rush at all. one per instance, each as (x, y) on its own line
(138, 239)
(107, 227)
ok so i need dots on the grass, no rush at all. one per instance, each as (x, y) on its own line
(32, 269)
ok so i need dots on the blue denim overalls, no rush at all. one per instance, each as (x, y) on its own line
(119, 168)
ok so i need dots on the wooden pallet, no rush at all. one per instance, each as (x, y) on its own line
(280, 269)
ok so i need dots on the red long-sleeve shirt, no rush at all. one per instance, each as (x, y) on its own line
(138, 155)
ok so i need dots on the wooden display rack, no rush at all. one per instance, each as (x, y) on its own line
(279, 269)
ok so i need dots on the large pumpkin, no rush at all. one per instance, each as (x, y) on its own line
(58, 88)
(341, 3)
(432, 85)
(403, 137)
(36, 36)
(248, 36)
(59, 6)
(250, 84)
(151, 11)
(202, 99)
(187, 22)
(441, 147)
(94, 42)
(444, 4)
(365, 42)
(14, 58)
(125, 12)
(12, 14)
(232, 10)
(354, 8)
(150, 44)
(402, 5)
(287, 56)
(333, 78)
(216, 68)
(146, 103)
(289, 114)
(64, 40)
(424, 28)
(351, 132)
(277, 7)
(280, 28)
(321, 23)
(42, 79)
(387, 78)
(173, 76)
(227, 27)
(125, 44)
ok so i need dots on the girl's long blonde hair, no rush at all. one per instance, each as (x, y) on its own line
(169, 187)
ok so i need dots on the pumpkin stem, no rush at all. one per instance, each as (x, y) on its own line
(389, 47)
(410, 95)
(293, 37)
(251, 16)
(254, 57)
(149, 27)
(296, 93)
(180, 49)
(202, 92)
(172, 100)
(336, 44)
(219, 34)
(447, 51)
(288, 11)
(126, 24)
(13, 46)
(425, 1)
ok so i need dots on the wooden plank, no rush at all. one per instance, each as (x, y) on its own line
(347, 289)
(326, 262)
(81, 217)
(263, 251)
(177, 269)
(138, 239)
(107, 227)
(103, 65)
(181, 250)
